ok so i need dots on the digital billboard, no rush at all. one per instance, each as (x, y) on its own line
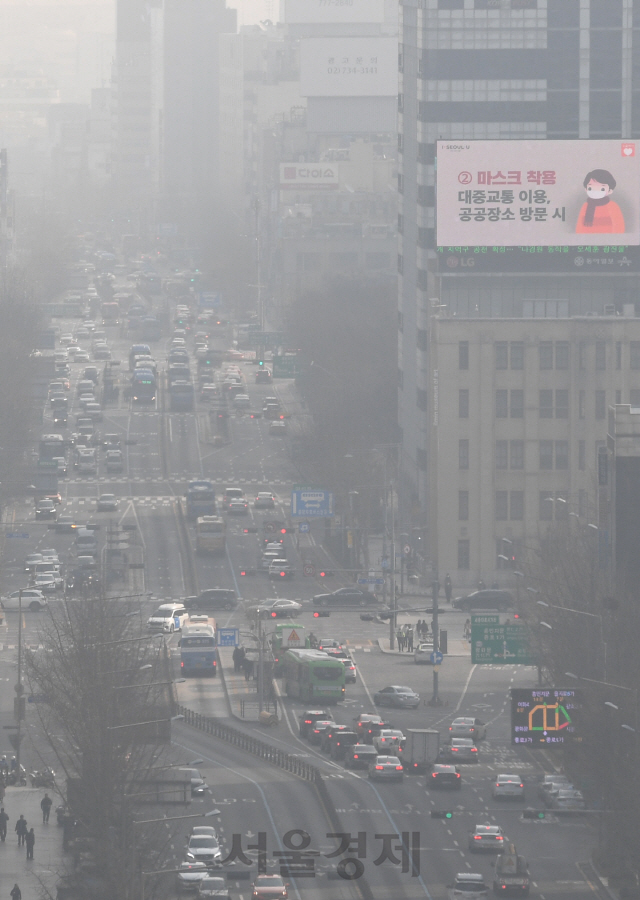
(349, 67)
(311, 12)
(543, 717)
(538, 193)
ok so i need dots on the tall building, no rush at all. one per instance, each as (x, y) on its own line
(503, 70)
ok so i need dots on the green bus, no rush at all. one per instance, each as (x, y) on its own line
(312, 675)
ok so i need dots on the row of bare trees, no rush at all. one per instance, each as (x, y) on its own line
(106, 719)
(582, 624)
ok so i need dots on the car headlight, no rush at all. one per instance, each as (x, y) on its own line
(190, 856)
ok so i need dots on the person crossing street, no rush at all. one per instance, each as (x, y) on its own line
(4, 818)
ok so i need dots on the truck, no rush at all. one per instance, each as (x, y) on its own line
(511, 875)
(422, 749)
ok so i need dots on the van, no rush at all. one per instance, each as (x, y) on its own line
(85, 541)
(91, 374)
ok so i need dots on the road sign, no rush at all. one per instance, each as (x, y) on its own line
(436, 657)
(228, 637)
(311, 502)
(542, 717)
(304, 527)
(285, 366)
(385, 563)
(309, 570)
(261, 339)
(23, 535)
(496, 642)
(370, 580)
(37, 698)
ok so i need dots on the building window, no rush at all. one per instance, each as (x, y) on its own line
(546, 354)
(601, 404)
(601, 355)
(502, 404)
(502, 506)
(463, 404)
(464, 554)
(546, 404)
(618, 397)
(463, 506)
(562, 354)
(421, 399)
(581, 352)
(502, 355)
(546, 454)
(516, 506)
(517, 355)
(516, 454)
(545, 507)
(463, 454)
(516, 410)
(582, 455)
(463, 354)
(618, 354)
(502, 458)
(634, 354)
(562, 404)
(562, 454)
(581, 403)
(634, 398)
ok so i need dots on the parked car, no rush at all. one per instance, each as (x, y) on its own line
(422, 653)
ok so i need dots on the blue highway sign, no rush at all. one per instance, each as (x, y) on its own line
(309, 502)
(18, 534)
(228, 637)
(436, 657)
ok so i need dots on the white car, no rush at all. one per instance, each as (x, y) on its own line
(204, 848)
(508, 787)
(32, 560)
(422, 653)
(107, 503)
(468, 886)
(468, 727)
(389, 741)
(190, 874)
(32, 599)
(264, 500)
(47, 582)
(168, 618)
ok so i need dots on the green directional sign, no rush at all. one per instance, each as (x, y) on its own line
(496, 642)
(261, 339)
(285, 366)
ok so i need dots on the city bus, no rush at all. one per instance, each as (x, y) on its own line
(201, 499)
(286, 636)
(143, 386)
(211, 535)
(198, 650)
(138, 350)
(311, 675)
(181, 395)
(51, 446)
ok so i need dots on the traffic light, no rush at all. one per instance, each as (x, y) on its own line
(321, 614)
(325, 574)
(261, 362)
(533, 814)
(441, 814)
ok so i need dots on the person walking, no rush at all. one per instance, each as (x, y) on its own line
(467, 630)
(448, 587)
(15, 893)
(21, 829)
(410, 640)
(236, 659)
(2, 790)
(399, 638)
(248, 668)
(45, 805)
(30, 840)
(4, 818)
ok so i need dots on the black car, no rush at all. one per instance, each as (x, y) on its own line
(445, 776)
(212, 599)
(341, 742)
(309, 717)
(346, 596)
(360, 756)
(488, 599)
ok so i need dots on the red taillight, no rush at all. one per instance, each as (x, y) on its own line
(521, 785)
(399, 768)
(433, 774)
(308, 721)
(499, 837)
(243, 573)
(355, 756)
(477, 837)
(182, 665)
(274, 615)
(282, 574)
(379, 767)
(497, 784)
(214, 662)
(457, 774)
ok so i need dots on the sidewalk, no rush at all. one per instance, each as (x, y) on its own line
(457, 647)
(47, 853)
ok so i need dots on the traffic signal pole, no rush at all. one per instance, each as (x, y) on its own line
(435, 698)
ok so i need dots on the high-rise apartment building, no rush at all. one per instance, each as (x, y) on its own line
(504, 70)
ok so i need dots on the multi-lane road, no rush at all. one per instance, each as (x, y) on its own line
(163, 451)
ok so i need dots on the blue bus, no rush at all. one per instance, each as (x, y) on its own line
(143, 386)
(181, 395)
(201, 499)
(198, 647)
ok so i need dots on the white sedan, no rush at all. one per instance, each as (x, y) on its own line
(508, 787)
(32, 599)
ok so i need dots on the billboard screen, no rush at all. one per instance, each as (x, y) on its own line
(584, 259)
(349, 67)
(311, 12)
(538, 193)
(543, 717)
(308, 176)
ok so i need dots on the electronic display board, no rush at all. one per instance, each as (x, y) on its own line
(604, 259)
(543, 717)
(537, 193)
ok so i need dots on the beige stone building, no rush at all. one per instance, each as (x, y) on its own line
(517, 415)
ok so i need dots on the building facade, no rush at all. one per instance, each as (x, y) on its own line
(502, 70)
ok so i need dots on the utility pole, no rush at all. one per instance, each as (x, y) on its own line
(260, 665)
(435, 699)
(18, 707)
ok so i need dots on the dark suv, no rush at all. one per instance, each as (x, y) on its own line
(501, 600)
(213, 599)
(340, 742)
(309, 717)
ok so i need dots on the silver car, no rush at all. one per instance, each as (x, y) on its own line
(398, 696)
(204, 848)
(461, 750)
(508, 787)
(468, 886)
(568, 801)
(468, 727)
(190, 874)
(422, 654)
(386, 768)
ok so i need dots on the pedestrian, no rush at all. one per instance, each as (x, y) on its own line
(399, 637)
(16, 893)
(2, 790)
(313, 641)
(30, 840)
(4, 766)
(248, 668)
(21, 829)
(467, 630)
(236, 659)
(14, 764)
(448, 587)
(410, 640)
(45, 805)
(425, 628)
(4, 818)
